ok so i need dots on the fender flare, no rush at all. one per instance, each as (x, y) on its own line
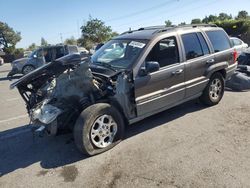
(217, 67)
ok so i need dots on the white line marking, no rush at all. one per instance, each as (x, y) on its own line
(12, 99)
(14, 118)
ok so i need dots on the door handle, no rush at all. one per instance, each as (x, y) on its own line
(210, 61)
(180, 71)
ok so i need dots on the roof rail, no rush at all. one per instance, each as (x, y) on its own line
(162, 28)
(186, 26)
(159, 27)
(152, 27)
(197, 25)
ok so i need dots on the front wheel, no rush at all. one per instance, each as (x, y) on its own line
(98, 128)
(214, 91)
(27, 69)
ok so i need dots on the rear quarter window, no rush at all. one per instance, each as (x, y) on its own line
(219, 40)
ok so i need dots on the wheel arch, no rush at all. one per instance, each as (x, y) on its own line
(113, 102)
(218, 67)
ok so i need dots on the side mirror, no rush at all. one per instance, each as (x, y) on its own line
(150, 66)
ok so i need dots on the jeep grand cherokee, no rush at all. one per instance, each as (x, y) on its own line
(133, 76)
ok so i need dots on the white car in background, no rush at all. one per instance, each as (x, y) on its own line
(239, 45)
(83, 51)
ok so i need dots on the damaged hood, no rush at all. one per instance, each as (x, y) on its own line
(49, 70)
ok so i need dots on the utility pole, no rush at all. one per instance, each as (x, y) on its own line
(61, 38)
(78, 29)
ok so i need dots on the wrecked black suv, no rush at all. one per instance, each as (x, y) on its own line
(133, 76)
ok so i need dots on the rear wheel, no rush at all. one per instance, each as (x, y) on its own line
(27, 69)
(98, 128)
(214, 91)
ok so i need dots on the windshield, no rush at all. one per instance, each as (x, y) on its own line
(118, 54)
(32, 54)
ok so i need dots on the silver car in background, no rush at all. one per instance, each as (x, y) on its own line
(239, 45)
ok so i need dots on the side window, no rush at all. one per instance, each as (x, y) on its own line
(48, 54)
(204, 45)
(237, 42)
(165, 52)
(192, 46)
(219, 40)
(59, 52)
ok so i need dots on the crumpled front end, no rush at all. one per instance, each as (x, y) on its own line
(64, 97)
(56, 93)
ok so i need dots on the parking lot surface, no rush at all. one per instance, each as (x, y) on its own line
(187, 146)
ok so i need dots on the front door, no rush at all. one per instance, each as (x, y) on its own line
(158, 90)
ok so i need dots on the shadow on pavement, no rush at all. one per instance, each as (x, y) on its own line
(10, 78)
(24, 150)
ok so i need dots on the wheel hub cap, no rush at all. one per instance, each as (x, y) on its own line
(215, 89)
(103, 131)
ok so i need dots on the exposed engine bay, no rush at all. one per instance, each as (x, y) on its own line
(56, 93)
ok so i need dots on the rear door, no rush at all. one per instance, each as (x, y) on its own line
(165, 87)
(198, 58)
(222, 46)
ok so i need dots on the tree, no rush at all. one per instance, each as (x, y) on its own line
(3, 42)
(70, 41)
(196, 21)
(168, 23)
(242, 15)
(18, 53)
(235, 27)
(44, 42)
(182, 23)
(32, 47)
(95, 31)
(209, 19)
(8, 37)
(223, 16)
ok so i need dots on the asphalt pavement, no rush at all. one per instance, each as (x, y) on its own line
(187, 146)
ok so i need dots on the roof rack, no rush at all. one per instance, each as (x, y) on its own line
(159, 27)
(162, 28)
(187, 26)
(198, 25)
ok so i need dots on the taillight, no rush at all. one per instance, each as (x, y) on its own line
(235, 54)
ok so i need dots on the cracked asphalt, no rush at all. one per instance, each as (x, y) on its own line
(187, 146)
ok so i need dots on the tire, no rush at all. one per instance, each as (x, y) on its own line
(214, 91)
(89, 129)
(27, 69)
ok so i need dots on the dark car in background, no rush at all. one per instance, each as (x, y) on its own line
(40, 57)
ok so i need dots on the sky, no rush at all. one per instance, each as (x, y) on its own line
(56, 20)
